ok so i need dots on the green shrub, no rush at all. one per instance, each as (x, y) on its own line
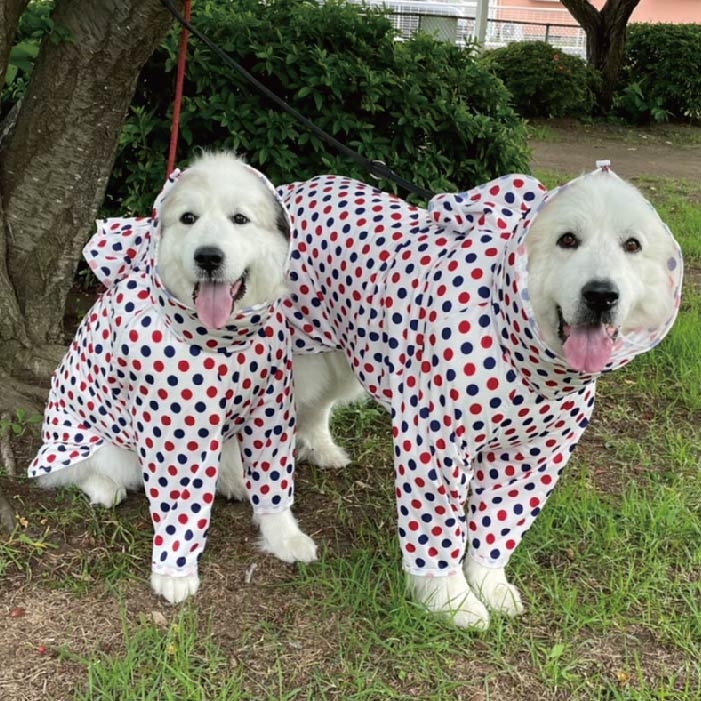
(635, 107)
(663, 63)
(33, 25)
(426, 108)
(544, 81)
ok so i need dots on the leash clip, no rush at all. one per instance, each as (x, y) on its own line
(378, 162)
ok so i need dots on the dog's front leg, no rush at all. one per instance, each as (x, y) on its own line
(282, 537)
(492, 588)
(180, 502)
(267, 451)
(175, 588)
(450, 597)
(431, 489)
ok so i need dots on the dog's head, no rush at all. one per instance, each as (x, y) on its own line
(598, 257)
(224, 239)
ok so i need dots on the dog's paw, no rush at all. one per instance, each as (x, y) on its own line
(322, 453)
(491, 587)
(450, 597)
(174, 589)
(102, 491)
(281, 536)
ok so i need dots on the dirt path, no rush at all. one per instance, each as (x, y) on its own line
(570, 147)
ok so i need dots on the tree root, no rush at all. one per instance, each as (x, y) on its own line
(7, 516)
(7, 455)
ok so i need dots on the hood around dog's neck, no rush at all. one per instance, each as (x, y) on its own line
(509, 205)
(123, 247)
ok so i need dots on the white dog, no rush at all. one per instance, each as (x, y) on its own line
(481, 325)
(153, 389)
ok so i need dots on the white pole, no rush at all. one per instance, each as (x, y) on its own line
(481, 18)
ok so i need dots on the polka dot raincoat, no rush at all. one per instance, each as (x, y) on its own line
(431, 309)
(143, 373)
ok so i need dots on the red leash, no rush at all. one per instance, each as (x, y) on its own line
(180, 79)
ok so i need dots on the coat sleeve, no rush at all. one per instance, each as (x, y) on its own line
(432, 471)
(268, 437)
(117, 248)
(511, 486)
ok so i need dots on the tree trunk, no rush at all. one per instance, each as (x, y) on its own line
(11, 325)
(606, 40)
(55, 163)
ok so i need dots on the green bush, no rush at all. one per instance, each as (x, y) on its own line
(662, 69)
(544, 81)
(33, 25)
(426, 108)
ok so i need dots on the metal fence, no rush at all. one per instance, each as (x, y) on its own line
(456, 24)
(570, 38)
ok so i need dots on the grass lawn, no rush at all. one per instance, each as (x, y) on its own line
(610, 573)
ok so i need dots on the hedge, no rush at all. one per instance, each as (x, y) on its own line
(426, 108)
(662, 73)
(544, 81)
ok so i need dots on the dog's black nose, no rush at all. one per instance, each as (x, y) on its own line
(600, 295)
(209, 258)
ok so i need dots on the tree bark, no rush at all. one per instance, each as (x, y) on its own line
(11, 323)
(55, 165)
(606, 38)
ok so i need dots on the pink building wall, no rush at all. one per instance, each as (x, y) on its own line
(676, 11)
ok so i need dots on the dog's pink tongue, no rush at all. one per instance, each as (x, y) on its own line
(214, 303)
(588, 348)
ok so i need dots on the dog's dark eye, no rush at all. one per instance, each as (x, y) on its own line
(568, 240)
(240, 219)
(188, 218)
(631, 245)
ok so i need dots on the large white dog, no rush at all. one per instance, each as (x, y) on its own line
(481, 324)
(186, 351)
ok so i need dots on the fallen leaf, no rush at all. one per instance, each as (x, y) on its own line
(623, 678)
(159, 619)
(17, 613)
(249, 573)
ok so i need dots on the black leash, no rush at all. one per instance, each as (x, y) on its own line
(376, 168)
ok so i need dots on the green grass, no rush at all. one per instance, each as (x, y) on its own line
(555, 131)
(610, 572)
(179, 662)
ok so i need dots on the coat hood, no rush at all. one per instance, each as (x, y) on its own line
(127, 248)
(502, 212)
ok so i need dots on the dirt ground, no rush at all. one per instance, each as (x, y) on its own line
(669, 151)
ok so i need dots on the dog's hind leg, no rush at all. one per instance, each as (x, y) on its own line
(230, 481)
(322, 380)
(104, 477)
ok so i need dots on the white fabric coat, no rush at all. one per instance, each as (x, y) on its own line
(143, 373)
(431, 309)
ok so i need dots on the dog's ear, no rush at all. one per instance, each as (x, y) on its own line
(282, 221)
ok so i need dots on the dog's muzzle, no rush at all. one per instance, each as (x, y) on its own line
(600, 296)
(209, 258)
